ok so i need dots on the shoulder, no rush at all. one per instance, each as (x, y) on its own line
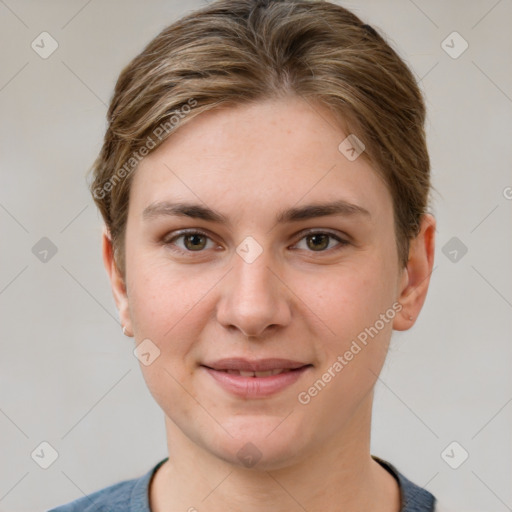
(125, 496)
(115, 497)
(413, 497)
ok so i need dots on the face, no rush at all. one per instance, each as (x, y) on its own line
(231, 270)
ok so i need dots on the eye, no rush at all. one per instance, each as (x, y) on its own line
(319, 241)
(197, 241)
(193, 241)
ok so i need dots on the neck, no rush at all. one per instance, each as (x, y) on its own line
(337, 474)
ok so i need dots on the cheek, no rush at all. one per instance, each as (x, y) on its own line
(171, 307)
(348, 298)
(164, 297)
(166, 308)
(351, 302)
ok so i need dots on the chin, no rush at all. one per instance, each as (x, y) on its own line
(259, 443)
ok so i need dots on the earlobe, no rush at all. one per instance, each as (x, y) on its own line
(117, 282)
(415, 279)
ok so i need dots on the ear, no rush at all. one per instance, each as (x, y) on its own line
(415, 278)
(116, 282)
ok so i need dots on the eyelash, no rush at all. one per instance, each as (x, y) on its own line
(170, 241)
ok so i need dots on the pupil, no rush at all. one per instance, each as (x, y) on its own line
(191, 241)
(319, 238)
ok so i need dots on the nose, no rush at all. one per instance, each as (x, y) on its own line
(254, 298)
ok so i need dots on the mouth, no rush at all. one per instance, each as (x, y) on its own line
(266, 373)
(255, 379)
(238, 364)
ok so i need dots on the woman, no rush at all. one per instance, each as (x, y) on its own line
(264, 182)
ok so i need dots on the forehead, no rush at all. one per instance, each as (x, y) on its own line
(262, 154)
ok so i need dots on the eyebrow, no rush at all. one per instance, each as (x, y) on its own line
(295, 214)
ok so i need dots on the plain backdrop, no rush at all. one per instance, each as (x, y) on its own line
(68, 376)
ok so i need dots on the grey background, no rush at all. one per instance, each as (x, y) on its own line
(67, 373)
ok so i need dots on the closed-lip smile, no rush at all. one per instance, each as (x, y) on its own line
(255, 378)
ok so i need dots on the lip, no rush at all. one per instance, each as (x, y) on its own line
(255, 387)
(255, 365)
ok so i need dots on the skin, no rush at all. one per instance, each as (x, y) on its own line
(300, 299)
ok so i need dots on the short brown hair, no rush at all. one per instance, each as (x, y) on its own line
(238, 51)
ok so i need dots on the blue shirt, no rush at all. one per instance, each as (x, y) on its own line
(133, 495)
